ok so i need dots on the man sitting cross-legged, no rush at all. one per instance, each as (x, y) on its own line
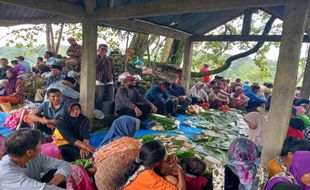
(128, 101)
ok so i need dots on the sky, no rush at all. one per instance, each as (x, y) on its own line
(4, 35)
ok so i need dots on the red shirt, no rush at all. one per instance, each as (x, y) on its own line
(295, 133)
(195, 183)
(205, 78)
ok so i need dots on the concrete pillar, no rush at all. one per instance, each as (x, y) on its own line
(88, 68)
(305, 89)
(187, 63)
(286, 78)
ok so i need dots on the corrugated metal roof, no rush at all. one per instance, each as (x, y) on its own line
(192, 23)
(10, 12)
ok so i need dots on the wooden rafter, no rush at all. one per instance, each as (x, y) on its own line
(234, 38)
(56, 20)
(137, 25)
(170, 7)
(50, 6)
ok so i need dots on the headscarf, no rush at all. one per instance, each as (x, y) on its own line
(11, 84)
(199, 85)
(76, 122)
(123, 126)
(242, 155)
(300, 166)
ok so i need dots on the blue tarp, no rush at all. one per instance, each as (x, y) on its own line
(96, 138)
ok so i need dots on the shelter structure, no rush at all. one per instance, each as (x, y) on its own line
(183, 20)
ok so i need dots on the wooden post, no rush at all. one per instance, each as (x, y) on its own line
(247, 19)
(286, 78)
(305, 89)
(88, 68)
(187, 63)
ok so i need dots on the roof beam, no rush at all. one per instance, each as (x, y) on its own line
(55, 20)
(234, 38)
(170, 7)
(50, 6)
(142, 26)
(90, 6)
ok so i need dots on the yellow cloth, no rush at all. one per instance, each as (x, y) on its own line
(148, 179)
(58, 139)
(274, 168)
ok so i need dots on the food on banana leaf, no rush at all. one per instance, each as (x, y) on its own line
(195, 109)
(167, 123)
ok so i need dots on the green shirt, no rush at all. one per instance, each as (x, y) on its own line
(305, 119)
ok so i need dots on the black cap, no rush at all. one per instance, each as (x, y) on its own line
(70, 79)
(14, 62)
(20, 57)
(56, 66)
(166, 83)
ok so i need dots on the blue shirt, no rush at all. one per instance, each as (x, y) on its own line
(254, 98)
(155, 94)
(48, 111)
(51, 61)
(53, 79)
(177, 90)
(26, 66)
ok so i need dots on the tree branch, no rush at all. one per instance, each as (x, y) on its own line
(229, 61)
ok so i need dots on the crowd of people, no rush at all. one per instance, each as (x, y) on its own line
(123, 162)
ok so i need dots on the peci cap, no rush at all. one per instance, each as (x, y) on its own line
(56, 66)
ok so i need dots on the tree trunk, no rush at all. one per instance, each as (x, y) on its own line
(167, 50)
(59, 38)
(139, 44)
(48, 38)
(52, 38)
(176, 53)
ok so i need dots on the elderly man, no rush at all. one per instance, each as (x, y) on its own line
(128, 101)
(23, 166)
(74, 52)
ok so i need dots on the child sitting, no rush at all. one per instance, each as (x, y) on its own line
(194, 168)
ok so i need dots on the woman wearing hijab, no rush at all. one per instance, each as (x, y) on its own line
(72, 134)
(115, 152)
(13, 91)
(298, 174)
(197, 94)
(257, 122)
(242, 171)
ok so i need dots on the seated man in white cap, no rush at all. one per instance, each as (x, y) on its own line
(128, 101)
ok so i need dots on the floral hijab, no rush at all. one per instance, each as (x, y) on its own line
(242, 155)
